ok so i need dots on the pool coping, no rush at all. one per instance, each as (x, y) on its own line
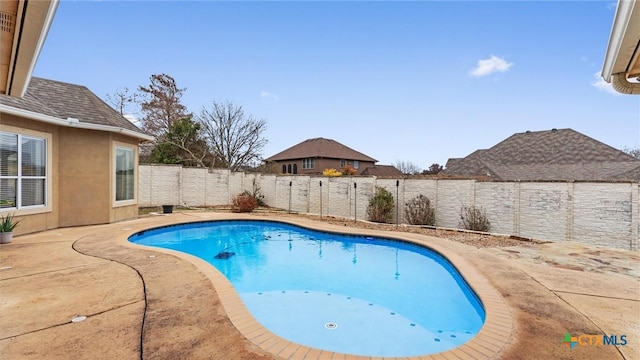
(488, 343)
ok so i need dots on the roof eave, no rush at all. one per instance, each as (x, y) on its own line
(623, 41)
(74, 123)
(33, 23)
(273, 158)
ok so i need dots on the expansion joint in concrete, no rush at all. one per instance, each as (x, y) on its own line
(70, 321)
(594, 295)
(573, 307)
(47, 272)
(144, 293)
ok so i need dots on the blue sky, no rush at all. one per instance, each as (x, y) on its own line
(398, 81)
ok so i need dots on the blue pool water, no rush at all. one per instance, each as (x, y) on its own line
(350, 294)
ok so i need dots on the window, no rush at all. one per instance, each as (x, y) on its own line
(308, 163)
(23, 171)
(284, 169)
(343, 163)
(295, 169)
(356, 164)
(125, 175)
(289, 169)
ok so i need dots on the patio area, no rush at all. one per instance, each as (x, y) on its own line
(142, 303)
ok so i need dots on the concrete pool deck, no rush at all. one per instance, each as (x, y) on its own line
(148, 303)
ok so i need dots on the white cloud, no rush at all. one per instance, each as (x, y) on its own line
(490, 66)
(603, 85)
(269, 96)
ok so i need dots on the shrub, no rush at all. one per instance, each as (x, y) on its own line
(348, 170)
(331, 172)
(256, 193)
(473, 218)
(243, 203)
(259, 198)
(419, 211)
(380, 206)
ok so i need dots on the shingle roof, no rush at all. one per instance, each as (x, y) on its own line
(562, 154)
(320, 148)
(382, 170)
(63, 101)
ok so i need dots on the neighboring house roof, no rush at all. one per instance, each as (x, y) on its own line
(68, 105)
(621, 62)
(381, 170)
(320, 148)
(562, 154)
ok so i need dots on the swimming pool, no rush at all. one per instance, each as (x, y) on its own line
(348, 294)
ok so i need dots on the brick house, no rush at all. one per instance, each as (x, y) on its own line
(312, 156)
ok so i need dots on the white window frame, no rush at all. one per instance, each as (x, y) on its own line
(20, 210)
(308, 163)
(124, 146)
(356, 164)
(343, 163)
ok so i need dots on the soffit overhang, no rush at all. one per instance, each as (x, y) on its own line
(24, 25)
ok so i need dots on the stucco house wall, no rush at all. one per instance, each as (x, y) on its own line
(87, 194)
(81, 181)
(89, 148)
(43, 218)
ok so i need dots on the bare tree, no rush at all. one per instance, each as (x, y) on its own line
(235, 139)
(635, 152)
(121, 99)
(407, 167)
(160, 104)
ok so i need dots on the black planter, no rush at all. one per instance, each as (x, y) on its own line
(167, 209)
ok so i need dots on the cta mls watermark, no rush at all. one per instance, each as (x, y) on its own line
(594, 340)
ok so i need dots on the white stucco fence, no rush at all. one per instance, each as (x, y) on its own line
(596, 213)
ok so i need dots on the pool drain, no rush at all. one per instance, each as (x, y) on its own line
(331, 325)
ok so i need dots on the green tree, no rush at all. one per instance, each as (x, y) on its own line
(183, 144)
(165, 153)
